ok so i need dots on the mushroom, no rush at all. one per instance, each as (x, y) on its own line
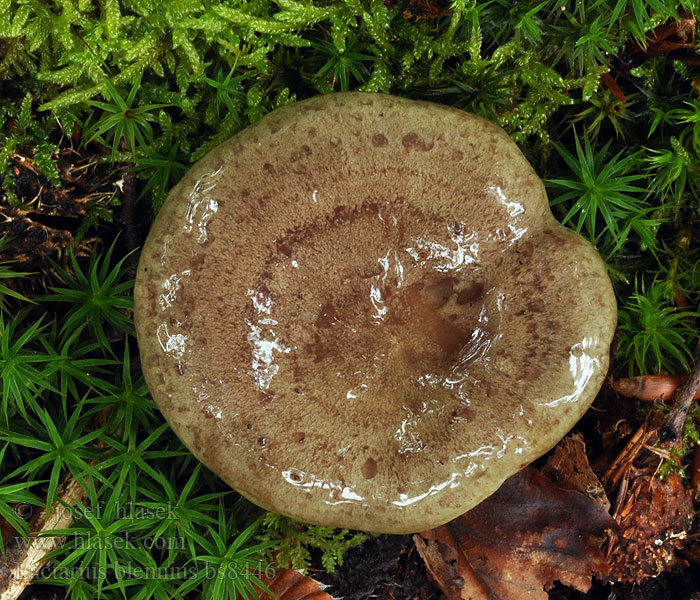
(360, 312)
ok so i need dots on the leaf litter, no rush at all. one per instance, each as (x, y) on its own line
(629, 520)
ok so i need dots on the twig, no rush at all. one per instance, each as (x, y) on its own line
(29, 557)
(661, 452)
(696, 467)
(622, 492)
(673, 428)
(128, 215)
(625, 459)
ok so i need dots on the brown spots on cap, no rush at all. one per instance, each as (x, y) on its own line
(196, 439)
(303, 152)
(457, 155)
(327, 317)
(296, 475)
(316, 348)
(268, 168)
(311, 132)
(537, 305)
(265, 396)
(532, 373)
(379, 140)
(152, 294)
(525, 250)
(369, 468)
(369, 270)
(471, 292)
(412, 141)
(533, 328)
(284, 248)
(198, 260)
(298, 437)
(462, 414)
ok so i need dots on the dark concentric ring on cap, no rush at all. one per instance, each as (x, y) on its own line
(360, 312)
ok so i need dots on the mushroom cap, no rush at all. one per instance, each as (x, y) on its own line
(360, 312)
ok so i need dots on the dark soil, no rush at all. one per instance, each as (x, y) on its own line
(387, 566)
(39, 591)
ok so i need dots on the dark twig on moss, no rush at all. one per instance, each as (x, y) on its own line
(128, 215)
(673, 428)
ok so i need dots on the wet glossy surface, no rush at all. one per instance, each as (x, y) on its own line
(367, 320)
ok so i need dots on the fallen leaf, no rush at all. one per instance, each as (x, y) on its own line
(674, 35)
(455, 577)
(650, 387)
(516, 543)
(288, 584)
(568, 467)
(441, 561)
(611, 84)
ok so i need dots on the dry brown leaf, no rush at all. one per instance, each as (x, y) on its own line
(650, 387)
(441, 563)
(568, 467)
(447, 566)
(674, 35)
(288, 584)
(520, 540)
(611, 84)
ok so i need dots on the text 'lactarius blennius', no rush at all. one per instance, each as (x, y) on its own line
(360, 312)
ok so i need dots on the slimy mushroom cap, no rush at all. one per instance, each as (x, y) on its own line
(360, 312)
